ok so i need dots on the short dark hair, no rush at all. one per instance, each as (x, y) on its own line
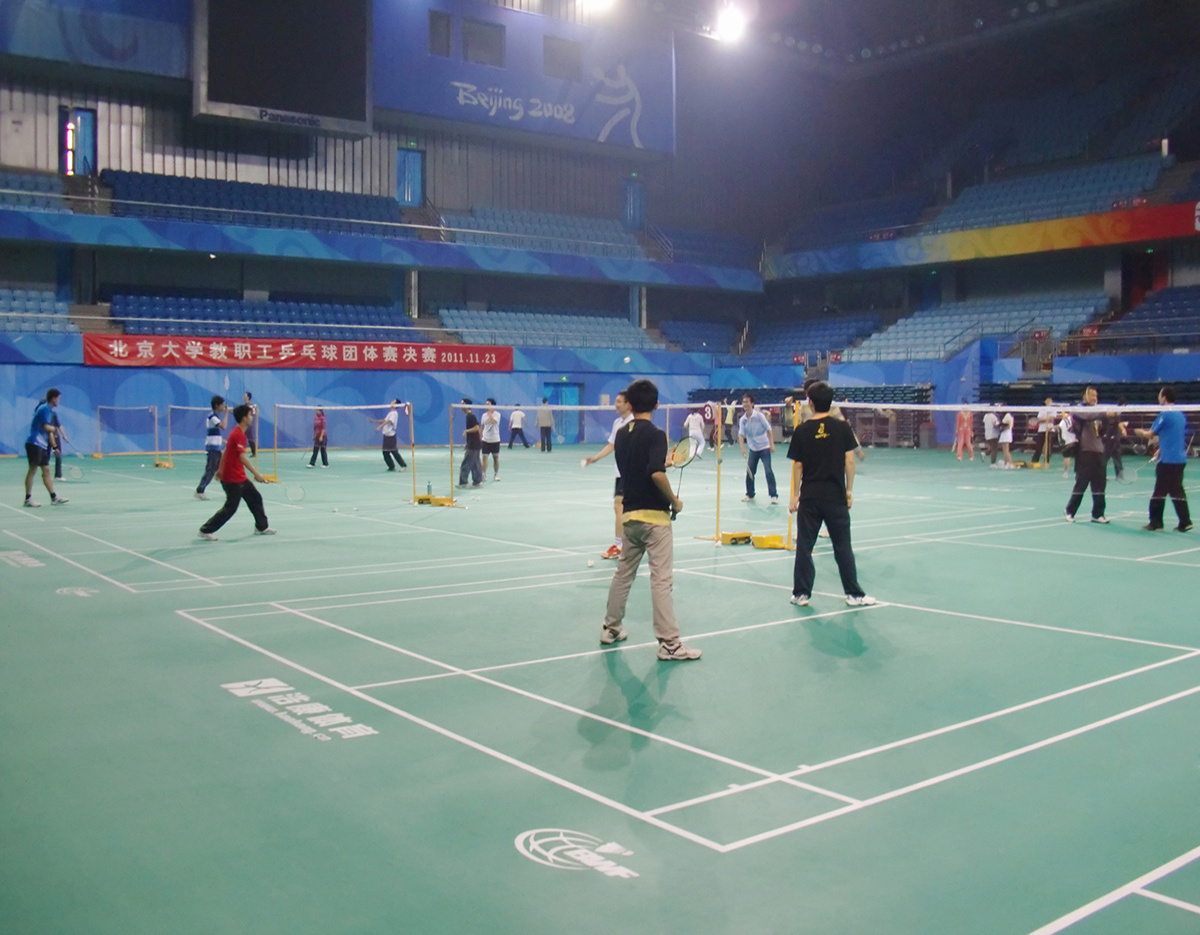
(52, 394)
(545, 399)
(1167, 393)
(216, 401)
(491, 402)
(240, 412)
(248, 394)
(820, 394)
(642, 396)
(749, 396)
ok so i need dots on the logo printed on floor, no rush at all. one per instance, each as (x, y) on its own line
(309, 717)
(563, 849)
(77, 592)
(20, 560)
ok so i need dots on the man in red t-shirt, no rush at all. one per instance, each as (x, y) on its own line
(232, 474)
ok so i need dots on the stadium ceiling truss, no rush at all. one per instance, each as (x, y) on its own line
(848, 38)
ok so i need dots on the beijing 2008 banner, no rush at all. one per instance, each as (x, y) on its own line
(274, 353)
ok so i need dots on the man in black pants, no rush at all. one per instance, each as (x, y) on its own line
(232, 474)
(822, 455)
(1091, 462)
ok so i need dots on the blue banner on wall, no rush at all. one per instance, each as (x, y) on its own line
(557, 78)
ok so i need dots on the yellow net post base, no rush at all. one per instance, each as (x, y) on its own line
(97, 455)
(768, 542)
(164, 464)
(736, 538)
(271, 478)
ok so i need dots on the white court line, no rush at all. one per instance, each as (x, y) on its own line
(63, 558)
(1151, 558)
(1117, 895)
(570, 709)
(24, 511)
(937, 732)
(1056, 552)
(459, 738)
(1170, 901)
(962, 771)
(182, 571)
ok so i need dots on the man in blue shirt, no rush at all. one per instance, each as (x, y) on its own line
(754, 432)
(43, 438)
(1172, 458)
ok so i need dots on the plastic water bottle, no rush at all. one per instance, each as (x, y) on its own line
(429, 488)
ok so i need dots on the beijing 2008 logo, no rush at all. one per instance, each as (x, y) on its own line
(573, 850)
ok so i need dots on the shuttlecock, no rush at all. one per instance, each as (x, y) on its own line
(590, 563)
(583, 462)
(335, 509)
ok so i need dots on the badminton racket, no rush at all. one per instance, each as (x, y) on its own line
(679, 457)
(75, 472)
(293, 492)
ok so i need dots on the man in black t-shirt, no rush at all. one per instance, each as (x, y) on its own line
(647, 508)
(822, 455)
(473, 443)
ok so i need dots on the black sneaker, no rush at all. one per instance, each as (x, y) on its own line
(1183, 528)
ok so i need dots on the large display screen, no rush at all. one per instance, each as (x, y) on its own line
(290, 64)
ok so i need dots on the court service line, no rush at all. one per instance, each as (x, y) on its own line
(570, 709)
(63, 558)
(120, 548)
(128, 476)
(624, 647)
(465, 741)
(24, 511)
(1108, 899)
(937, 732)
(961, 771)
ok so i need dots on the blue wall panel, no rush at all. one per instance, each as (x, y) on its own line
(1128, 368)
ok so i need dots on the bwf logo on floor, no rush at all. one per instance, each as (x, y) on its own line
(309, 717)
(573, 850)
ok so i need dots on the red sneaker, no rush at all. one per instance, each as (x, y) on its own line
(613, 551)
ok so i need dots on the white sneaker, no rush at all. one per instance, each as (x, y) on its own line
(800, 600)
(1068, 517)
(679, 652)
(29, 502)
(1100, 519)
(860, 600)
(264, 532)
(208, 535)
(310, 466)
(58, 501)
(495, 478)
(200, 496)
(608, 637)
(747, 499)
(774, 499)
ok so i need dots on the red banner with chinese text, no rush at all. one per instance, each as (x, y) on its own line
(274, 353)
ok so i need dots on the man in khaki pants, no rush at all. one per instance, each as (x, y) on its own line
(648, 507)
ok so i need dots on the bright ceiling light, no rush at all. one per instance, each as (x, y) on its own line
(731, 24)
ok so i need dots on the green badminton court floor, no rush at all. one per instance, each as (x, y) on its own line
(392, 718)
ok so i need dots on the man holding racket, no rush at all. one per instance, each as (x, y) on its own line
(624, 416)
(387, 425)
(43, 438)
(232, 475)
(822, 456)
(649, 505)
(1169, 427)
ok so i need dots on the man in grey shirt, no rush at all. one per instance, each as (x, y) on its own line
(545, 424)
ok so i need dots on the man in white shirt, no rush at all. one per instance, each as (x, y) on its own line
(516, 426)
(754, 433)
(693, 425)
(1045, 431)
(624, 417)
(387, 425)
(489, 422)
(212, 445)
